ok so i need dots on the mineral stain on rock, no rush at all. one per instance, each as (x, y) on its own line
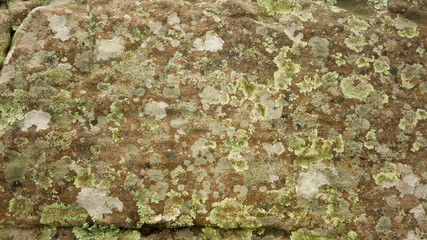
(268, 119)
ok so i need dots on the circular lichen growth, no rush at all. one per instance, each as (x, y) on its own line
(356, 87)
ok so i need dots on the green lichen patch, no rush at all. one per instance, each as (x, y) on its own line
(406, 27)
(358, 25)
(318, 150)
(63, 215)
(21, 208)
(277, 6)
(52, 76)
(388, 177)
(231, 213)
(411, 71)
(356, 87)
(250, 89)
(356, 42)
(12, 110)
(287, 70)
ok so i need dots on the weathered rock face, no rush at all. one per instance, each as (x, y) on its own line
(217, 120)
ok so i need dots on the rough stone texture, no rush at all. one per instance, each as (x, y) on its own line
(232, 119)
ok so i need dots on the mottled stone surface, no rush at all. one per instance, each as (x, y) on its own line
(229, 119)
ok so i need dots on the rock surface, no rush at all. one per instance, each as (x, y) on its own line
(231, 119)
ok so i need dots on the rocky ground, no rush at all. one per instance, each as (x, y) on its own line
(227, 119)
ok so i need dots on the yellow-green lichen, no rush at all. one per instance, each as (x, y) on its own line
(250, 89)
(287, 70)
(388, 177)
(320, 149)
(406, 27)
(358, 25)
(356, 87)
(356, 43)
(277, 6)
(411, 118)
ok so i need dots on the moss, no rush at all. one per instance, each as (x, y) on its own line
(5, 40)
(63, 215)
(277, 6)
(52, 76)
(230, 213)
(16, 169)
(301, 235)
(210, 233)
(356, 87)
(101, 232)
(12, 110)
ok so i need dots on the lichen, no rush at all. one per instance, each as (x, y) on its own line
(230, 213)
(287, 70)
(63, 215)
(12, 110)
(356, 87)
(277, 6)
(99, 232)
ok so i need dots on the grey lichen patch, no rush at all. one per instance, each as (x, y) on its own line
(110, 48)
(210, 95)
(211, 43)
(309, 183)
(39, 119)
(319, 46)
(412, 71)
(97, 203)
(156, 109)
(58, 24)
